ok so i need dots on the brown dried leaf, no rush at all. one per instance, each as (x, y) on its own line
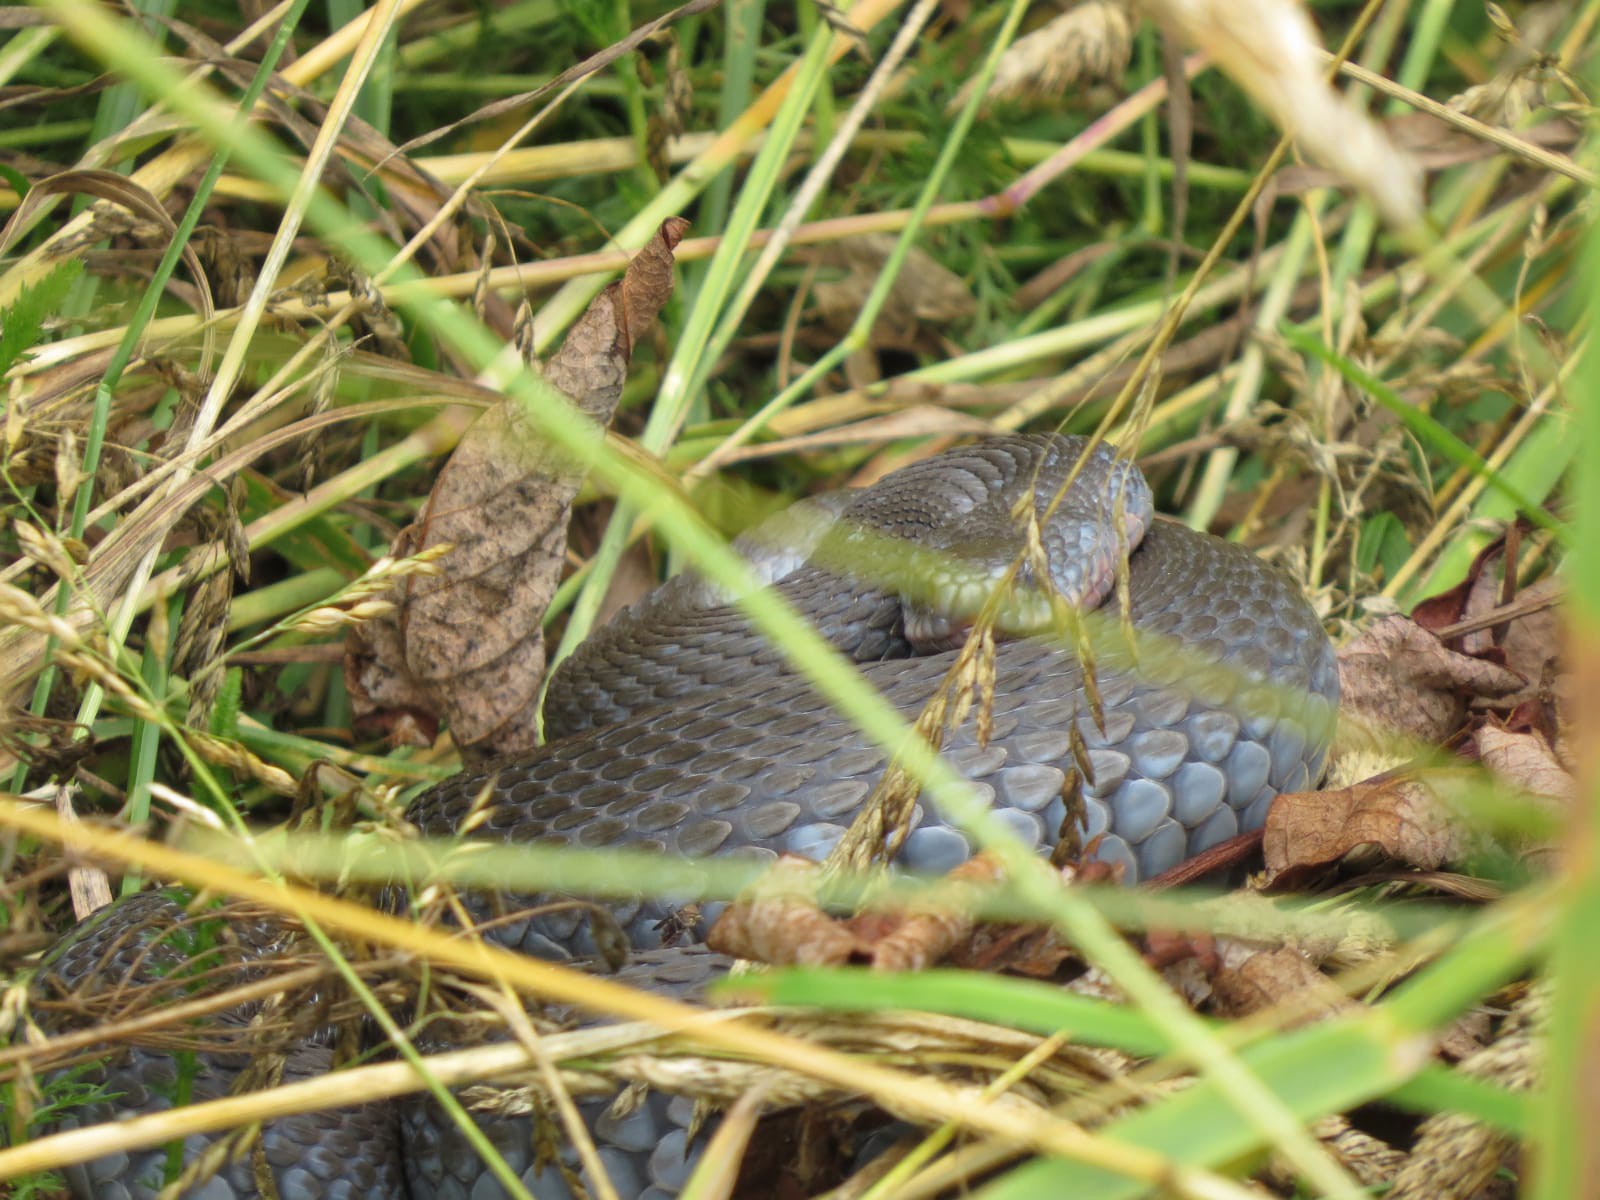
(1266, 978)
(467, 644)
(1535, 641)
(1403, 817)
(1449, 606)
(923, 938)
(1482, 595)
(1526, 760)
(1399, 679)
(923, 292)
(592, 363)
(385, 698)
(1166, 947)
(504, 507)
(1034, 950)
(778, 922)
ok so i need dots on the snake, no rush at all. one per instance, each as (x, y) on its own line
(680, 729)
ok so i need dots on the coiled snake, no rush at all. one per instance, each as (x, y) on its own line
(678, 728)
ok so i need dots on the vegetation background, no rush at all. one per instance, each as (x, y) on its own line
(226, 389)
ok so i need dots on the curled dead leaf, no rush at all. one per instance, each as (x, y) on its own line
(592, 364)
(1399, 682)
(1029, 949)
(1526, 760)
(923, 938)
(1535, 637)
(1404, 818)
(1488, 617)
(924, 291)
(1258, 979)
(778, 922)
(467, 645)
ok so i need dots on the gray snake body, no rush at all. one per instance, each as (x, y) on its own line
(684, 733)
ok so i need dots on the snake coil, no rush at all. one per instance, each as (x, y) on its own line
(679, 729)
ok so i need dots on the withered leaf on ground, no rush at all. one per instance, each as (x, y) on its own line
(1521, 629)
(1398, 679)
(1526, 760)
(466, 645)
(1535, 639)
(1487, 616)
(1403, 817)
(777, 921)
(924, 291)
(1448, 607)
(925, 937)
(1252, 978)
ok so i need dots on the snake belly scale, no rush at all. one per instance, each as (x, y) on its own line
(685, 734)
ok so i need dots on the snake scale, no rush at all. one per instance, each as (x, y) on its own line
(678, 728)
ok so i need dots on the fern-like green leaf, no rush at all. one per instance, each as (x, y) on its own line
(22, 321)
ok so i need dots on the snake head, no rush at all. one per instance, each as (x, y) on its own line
(1029, 553)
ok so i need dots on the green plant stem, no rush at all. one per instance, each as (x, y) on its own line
(1422, 47)
(1246, 389)
(626, 70)
(22, 48)
(1153, 219)
(44, 133)
(741, 34)
(807, 195)
(1565, 1154)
